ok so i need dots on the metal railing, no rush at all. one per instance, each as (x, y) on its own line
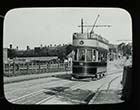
(35, 68)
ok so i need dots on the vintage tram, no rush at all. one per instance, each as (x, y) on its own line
(89, 55)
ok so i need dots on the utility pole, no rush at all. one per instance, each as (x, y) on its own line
(82, 25)
(94, 25)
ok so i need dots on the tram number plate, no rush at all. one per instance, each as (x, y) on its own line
(81, 64)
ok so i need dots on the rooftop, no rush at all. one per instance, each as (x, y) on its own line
(90, 36)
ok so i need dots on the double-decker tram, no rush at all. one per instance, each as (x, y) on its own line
(90, 55)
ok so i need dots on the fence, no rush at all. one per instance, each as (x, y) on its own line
(34, 68)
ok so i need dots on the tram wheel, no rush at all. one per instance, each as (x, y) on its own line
(72, 78)
(102, 75)
(98, 76)
(94, 78)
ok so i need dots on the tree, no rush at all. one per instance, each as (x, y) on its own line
(121, 46)
(69, 49)
(125, 49)
(11, 53)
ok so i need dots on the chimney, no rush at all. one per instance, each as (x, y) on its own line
(10, 46)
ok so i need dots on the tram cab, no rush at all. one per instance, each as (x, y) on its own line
(90, 55)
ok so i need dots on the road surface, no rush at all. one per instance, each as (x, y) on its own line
(62, 90)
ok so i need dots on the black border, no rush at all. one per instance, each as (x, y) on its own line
(128, 5)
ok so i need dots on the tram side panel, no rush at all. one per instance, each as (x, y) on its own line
(83, 69)
(86, 69)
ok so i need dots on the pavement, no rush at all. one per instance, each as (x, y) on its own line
(32, 76)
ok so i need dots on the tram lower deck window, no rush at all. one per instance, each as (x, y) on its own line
(81, 56)
(89, 55)
(99, 56)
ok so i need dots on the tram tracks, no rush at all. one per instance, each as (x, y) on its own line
(78, 86)
(109, 84)
(27, 95)
(100, 89)
(40, 97)
(29, 98)
(52, 82)
(71, 85)
(112, 72)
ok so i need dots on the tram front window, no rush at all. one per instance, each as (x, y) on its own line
(81, 54)
(89, 55)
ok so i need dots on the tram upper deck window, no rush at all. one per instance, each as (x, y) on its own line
(81, 55)
(89, 55)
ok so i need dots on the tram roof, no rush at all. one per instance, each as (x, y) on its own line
(88, 47)
(90, 36)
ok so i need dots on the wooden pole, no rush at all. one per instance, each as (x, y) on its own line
(13, 68)
(18, 66)
(32, 68)
(39, 68)
(8, 69)
(27, 67)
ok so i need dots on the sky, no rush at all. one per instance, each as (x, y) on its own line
(36, 26)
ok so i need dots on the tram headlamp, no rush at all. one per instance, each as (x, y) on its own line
(75, 35)
(81, 64)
